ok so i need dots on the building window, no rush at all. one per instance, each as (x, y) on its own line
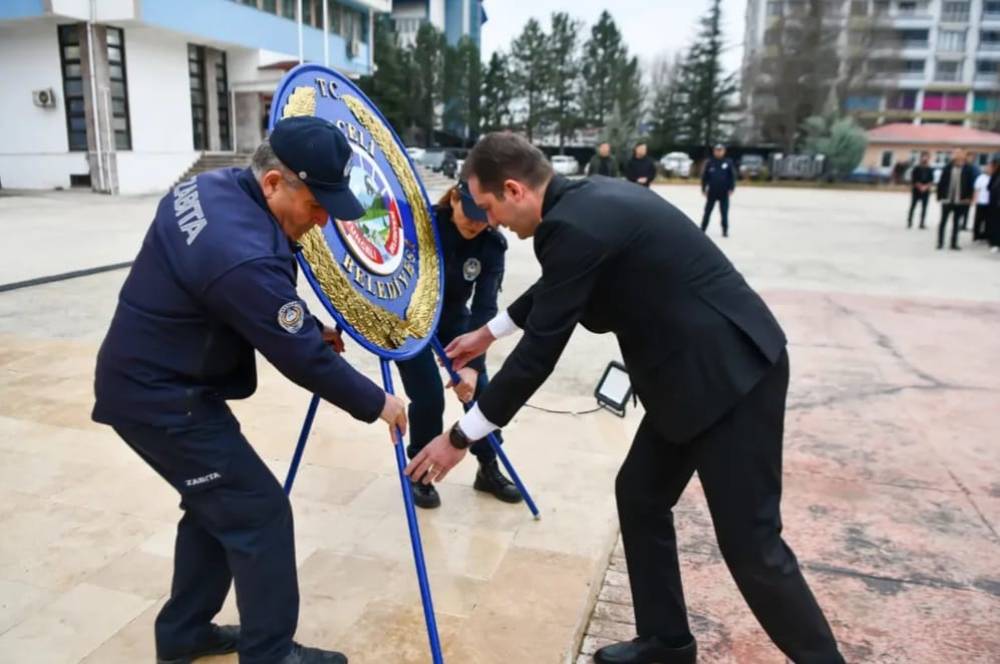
(270, 6)
(199, 105)
(986, 102)
(908, 7)
(914, 38)
(955, 12)
(774, 8)
(886, 158)
(944, 101)
(119, 89)
(951, 40)
(288, 8)
(989, 40)
(902, 100)
(76, 118)
(991, 9)
(948, 70)
(863, 102)
(881, 7)
(222, 97)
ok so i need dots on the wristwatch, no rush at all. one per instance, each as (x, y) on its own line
(457, 438)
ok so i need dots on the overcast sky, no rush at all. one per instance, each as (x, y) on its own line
(649, 27)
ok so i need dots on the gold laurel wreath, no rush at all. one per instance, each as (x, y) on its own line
(380, 326)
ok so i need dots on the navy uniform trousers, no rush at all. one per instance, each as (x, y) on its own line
(236, 527)
(422, 382)
(710, 200)
(738, 460)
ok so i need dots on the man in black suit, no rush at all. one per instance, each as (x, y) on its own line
(954, 192)
(705, 356)
(921, 180)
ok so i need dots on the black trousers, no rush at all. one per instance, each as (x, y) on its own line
(710, 200)
(958, 212)
(922, 198)
(979, 222)
(237, 526)
(993, 226)
(738, 461)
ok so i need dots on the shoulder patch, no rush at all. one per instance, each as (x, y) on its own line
(290, 316)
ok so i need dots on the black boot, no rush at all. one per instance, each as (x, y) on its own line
(491, 480)
(303, 655)
(425, 495)
(223, 640)
(649, 650)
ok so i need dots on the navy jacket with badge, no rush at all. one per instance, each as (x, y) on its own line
(473, 269)
(215, 279)
(719, 177)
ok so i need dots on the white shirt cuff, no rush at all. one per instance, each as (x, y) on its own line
(475, 425)
(502, 325)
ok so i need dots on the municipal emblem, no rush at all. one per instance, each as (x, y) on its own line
(471, 269)
(379, 276)
(290, 316)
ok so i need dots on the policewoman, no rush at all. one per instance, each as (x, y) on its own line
(473, 268)
(214, 281)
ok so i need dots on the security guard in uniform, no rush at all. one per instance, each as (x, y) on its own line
(213, 281)
(474, 266)
(718, 182)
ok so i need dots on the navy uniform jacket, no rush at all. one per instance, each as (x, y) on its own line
(719, 177)
(694, 336)
(473, 269)
(215, 279)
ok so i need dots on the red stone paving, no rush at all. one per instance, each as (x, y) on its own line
(892, 489)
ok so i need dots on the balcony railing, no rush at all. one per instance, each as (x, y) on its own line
(948, 76)
(989, 46)
(955, 17)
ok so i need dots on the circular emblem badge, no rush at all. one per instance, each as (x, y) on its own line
(471, 269)
(290, 316)
(380, 276)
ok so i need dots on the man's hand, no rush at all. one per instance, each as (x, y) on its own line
(394, 414)
(466, 387)
(469, 346)
(642, 180)
(434, 461)
(332, 337)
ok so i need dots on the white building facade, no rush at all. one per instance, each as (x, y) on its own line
(455, 18)
(124, 95)
(929, 61)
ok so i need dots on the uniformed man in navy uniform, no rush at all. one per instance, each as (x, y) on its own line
(474, 266)
(718, 182)
(213, 282)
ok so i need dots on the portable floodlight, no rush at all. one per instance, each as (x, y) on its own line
(614, 389)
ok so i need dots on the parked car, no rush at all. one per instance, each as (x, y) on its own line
(676, 164)
(433, 159)
(564, 164)
(752, 166)
(415, 153)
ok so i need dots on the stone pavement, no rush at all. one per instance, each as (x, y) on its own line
(891, 500)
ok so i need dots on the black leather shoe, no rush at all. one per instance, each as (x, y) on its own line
(649, 650)
(491, 480)
(303, 655)
(425, 495)
(223, 641)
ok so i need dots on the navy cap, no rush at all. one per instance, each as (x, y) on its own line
(469, 208)
(319, 154)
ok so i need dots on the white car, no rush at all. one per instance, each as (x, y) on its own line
(563, 164)
(416, 153)
(677, 164)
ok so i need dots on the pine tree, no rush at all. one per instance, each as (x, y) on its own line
(564, 75)
(706, 88)
(428, 60)
(461, 88)
(529, 55)
(668, 109)
(604, 57)
(497, 94)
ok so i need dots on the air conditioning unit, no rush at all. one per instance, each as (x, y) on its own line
(353, 48)
(46, 97)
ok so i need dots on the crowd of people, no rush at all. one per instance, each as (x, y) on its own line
(960, 186)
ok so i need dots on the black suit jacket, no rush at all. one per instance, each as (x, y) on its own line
(618, 258)
(966, 187)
